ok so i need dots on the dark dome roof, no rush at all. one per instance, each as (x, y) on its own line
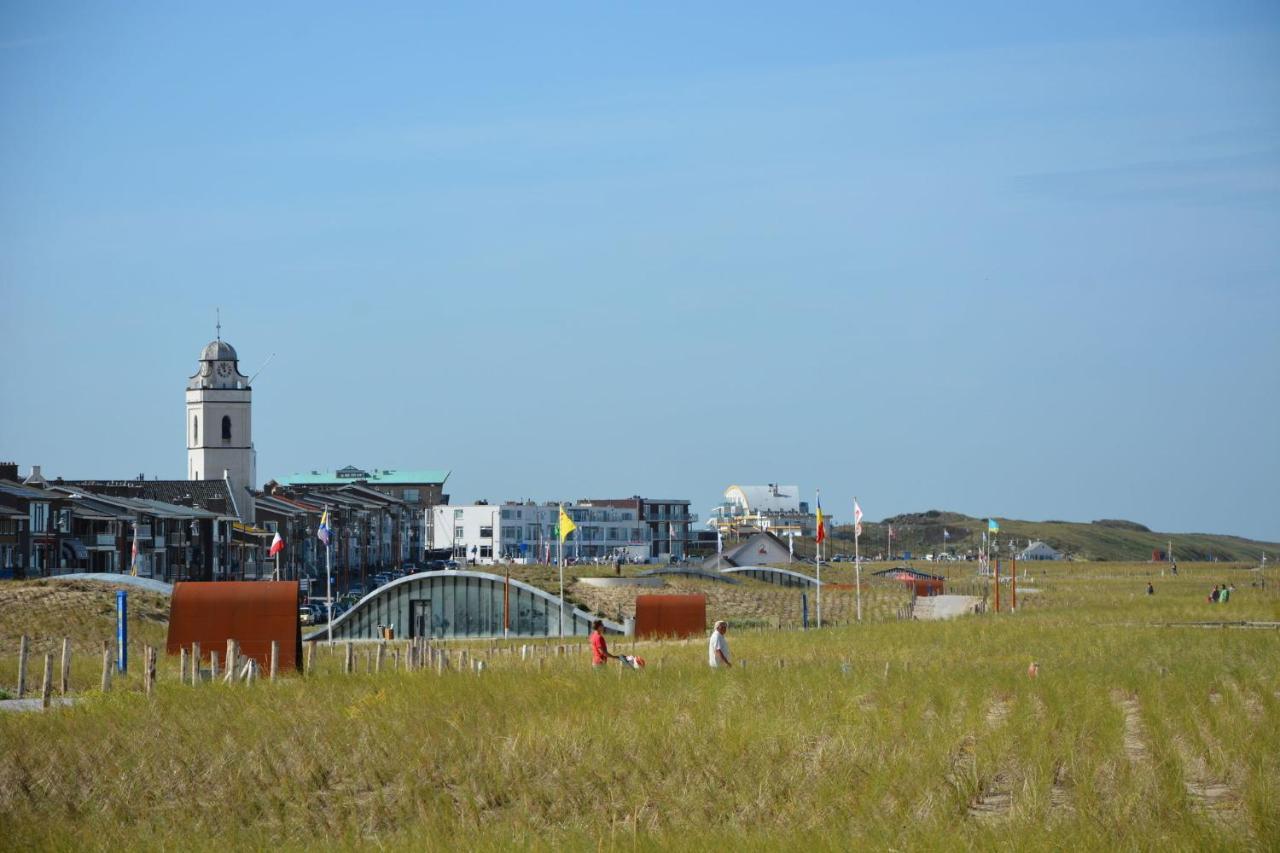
(219, 351)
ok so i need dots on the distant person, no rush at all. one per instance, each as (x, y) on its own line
(1213, 596)
(617, 564)
(599, 648)
(1151, 590)
(1224, 595)
(718, 648)
(1175, 570)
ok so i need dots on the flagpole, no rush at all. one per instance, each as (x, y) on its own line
(560, 536)
(328, 575)
(857, 565)
(819, 553)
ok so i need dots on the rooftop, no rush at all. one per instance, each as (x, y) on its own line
(383, 476)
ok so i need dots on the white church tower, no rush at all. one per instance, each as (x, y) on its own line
(220, 425)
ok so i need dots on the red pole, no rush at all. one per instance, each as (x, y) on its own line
(1013, 585)
(997, 584)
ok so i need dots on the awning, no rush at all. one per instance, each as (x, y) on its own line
(75, 549)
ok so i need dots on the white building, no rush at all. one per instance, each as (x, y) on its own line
(1039, 551)
(220, 426)
(757, 509)
(526, 532)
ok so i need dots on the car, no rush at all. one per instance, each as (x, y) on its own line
(305, 616)
(452, 564)
(356, 590)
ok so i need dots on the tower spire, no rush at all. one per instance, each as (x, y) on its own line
(219, 323)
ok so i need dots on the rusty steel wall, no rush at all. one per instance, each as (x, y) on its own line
(253, 613)
(671, 615)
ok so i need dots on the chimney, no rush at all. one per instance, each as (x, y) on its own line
(35, 478)
(8, 471)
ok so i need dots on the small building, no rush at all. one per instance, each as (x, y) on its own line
(1039, 551)
(920, 583)
(760, 549)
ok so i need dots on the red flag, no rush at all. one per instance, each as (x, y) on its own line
(277, 545)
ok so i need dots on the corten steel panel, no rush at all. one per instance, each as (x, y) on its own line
(253, 613)
(671, 615)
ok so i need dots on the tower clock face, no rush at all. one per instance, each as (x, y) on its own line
(224, 369)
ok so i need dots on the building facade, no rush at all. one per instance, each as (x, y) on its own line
(772, 508)
(667, 521)
(485, 534)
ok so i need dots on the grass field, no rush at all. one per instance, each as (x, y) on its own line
(1139, 733)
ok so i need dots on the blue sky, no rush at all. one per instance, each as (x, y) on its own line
(987, 259)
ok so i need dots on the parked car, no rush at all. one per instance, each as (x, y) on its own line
(305, 616)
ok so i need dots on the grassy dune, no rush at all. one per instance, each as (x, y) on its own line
(1135, 735)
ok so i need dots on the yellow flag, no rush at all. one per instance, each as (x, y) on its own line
(566, 525)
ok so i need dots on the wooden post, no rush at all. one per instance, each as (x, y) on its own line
(395, 659)
(23, 651)
(46, 689)
(148, 674)
(311, 655)
(65, 684)
(232, 656)
(195, 664)
(1013, 587)
(382, 651)
(250, 670)
(349, 663)
(182, 665)
(997, 584)
(275, 658)
(106, 667)
(213, 666)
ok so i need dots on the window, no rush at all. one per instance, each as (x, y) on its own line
(486, 532)
(457, 513)
(39, 517)
(195, 430)
(457, 533)
(226, 429)
(486, 550)
(506, 514)
(410, 496)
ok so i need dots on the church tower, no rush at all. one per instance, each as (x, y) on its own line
(220, 426)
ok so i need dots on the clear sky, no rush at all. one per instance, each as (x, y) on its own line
(977, 257)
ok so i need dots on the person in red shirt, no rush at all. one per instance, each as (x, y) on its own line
(599, 648)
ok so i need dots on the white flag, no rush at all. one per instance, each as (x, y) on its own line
(857, 518)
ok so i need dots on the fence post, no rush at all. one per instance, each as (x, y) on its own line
(106, 667)
(148, 673)
(275, 658)
(195, 664)
(213, 665)
(349, 663)
(66, 666)
(382, 650)
(46, 689)
(23, 651)
(311, 655)
(232, 655)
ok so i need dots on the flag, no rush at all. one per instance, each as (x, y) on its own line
(137, 552)
(719, 541)
(822, 533)
(992, 525)
(566, 525)
(277, 545)
(857, 518)
(945, 535)
(324, 531)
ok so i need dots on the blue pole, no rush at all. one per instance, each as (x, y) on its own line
(804, 609)
(122, 631)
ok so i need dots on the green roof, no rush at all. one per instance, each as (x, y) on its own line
(351, 474)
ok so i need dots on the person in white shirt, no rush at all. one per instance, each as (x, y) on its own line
(718, 648)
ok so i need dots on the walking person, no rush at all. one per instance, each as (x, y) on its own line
(1225, 595)
(718, 648)
(599, 648)
(1213, 596)
(1151, 590)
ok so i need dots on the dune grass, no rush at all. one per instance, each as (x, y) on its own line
(1134, 735)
